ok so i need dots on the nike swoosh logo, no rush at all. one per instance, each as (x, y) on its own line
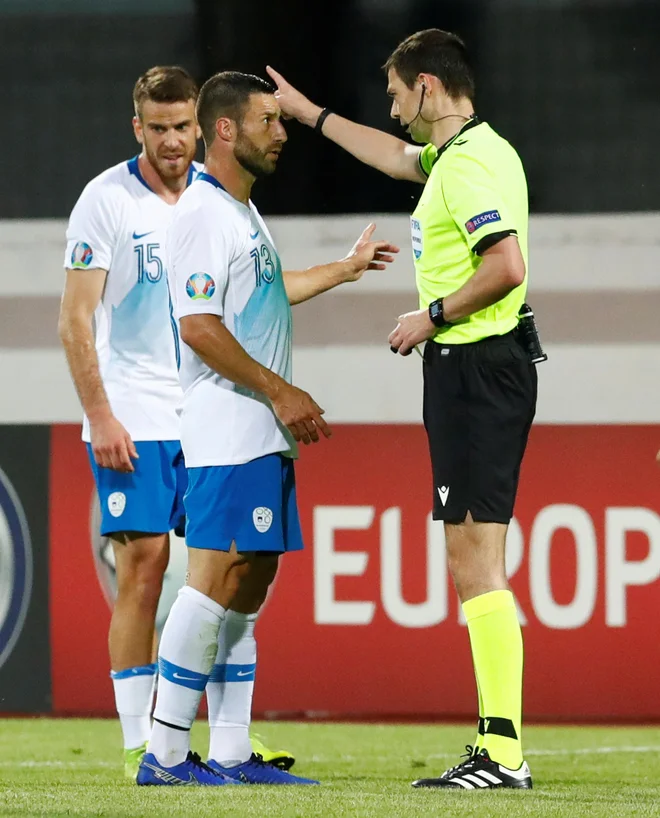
(245, 673)
(256, 235)
(142, 235)
(184, 678)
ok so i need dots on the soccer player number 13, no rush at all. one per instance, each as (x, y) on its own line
(264, 268)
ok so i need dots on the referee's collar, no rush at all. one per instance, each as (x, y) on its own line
(472, 122)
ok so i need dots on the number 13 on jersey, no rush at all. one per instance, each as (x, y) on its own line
(264, 268)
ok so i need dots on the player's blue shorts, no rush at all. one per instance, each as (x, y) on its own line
(252, 504)
(148, 500)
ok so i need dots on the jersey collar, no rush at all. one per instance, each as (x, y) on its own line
(134, 170)
(472, 122)
(203, 176)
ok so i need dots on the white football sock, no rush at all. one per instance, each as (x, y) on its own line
(134, 694)
(229, 690)
(187, 652)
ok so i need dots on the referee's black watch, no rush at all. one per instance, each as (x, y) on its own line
(436, 313)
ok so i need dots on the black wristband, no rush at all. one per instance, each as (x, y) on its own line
(436, 313)
(325, 113)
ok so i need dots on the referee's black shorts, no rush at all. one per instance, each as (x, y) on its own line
(479, 403)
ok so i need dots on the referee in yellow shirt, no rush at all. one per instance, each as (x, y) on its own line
(469, 240)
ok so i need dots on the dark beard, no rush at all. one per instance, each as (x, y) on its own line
(250, 158)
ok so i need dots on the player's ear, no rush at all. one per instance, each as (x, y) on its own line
(137, 130)
(198, 131)
(225, 129)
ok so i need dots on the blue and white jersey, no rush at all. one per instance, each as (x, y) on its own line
(223, 262)
(119, 225)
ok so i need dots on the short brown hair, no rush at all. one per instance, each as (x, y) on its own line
(227, 94)
(164, 83)
(435, 52)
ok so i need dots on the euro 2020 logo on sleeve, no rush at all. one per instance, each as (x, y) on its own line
(15, 568)
(200, 285)
(82, 256)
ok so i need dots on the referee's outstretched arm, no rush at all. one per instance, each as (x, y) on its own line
(380, 150)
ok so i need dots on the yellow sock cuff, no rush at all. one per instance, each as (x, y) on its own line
(485, 604)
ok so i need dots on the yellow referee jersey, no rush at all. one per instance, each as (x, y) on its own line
(476, 192)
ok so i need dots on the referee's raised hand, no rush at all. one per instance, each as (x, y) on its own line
(293, 104)
(300, 413)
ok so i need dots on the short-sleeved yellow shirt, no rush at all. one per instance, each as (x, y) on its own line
(476, 193)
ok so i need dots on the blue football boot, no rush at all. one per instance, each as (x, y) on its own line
(191, 772)
(257, 771)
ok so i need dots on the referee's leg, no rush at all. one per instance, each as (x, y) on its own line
(501, 397)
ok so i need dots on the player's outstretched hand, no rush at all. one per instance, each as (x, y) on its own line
(293, 104)
(112, 446)
(369, 255)
(300, 413)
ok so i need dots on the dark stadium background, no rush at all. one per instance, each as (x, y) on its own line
(572, 83)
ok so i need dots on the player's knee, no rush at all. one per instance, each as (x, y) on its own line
(253, 588)
(141, 579)
(265, 568)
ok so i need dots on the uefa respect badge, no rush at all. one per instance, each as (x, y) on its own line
(488, 217)
(200, 286)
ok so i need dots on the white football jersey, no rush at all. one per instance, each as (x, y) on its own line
(223, 262)
(119, 225)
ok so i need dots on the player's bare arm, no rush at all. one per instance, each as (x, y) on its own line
(218, 348)
(111, 443)
(301, 285)
(501, 270)
(380, 150)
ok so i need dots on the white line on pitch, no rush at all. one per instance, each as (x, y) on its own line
(315, 758)
(64, 764)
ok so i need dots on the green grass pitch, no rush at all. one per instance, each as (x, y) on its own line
(73, 767)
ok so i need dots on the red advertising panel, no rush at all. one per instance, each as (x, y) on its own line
(80, 615)
(365, 621)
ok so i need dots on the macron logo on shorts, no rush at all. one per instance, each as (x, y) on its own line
(483, 218)
(443, 491)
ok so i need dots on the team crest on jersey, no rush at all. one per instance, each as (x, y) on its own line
(200, 285)
(82, 256)
(262, 518)
(416, 235)
(483, 218)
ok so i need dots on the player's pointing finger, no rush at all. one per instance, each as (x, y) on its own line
(368, 231)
